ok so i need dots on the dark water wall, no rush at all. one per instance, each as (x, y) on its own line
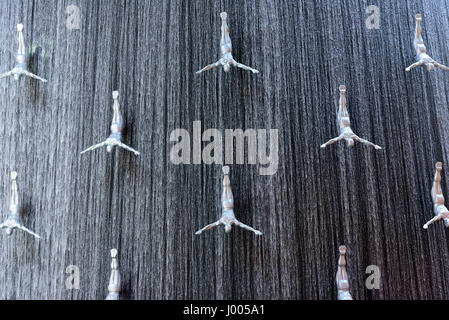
(374, 202)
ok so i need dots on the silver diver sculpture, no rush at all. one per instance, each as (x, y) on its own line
(226, 60)
(13, 220)
(342, 277)
(117, 125)
(422, 57)
(343, 121)
(114, 280)
(228, 218)
(440, 210)
(21, 67)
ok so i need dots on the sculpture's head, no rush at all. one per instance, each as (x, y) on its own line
(228, 227)
(226, 67)
(430, 67)
(16, 77)
(8, 231)
(109, 148)
(350, 142)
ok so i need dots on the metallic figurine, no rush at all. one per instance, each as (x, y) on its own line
(13, 220)
(21, 67)
(346, 132)
(116, 131)
(439, 208)
(342, 277)
(228, 218)
(114, 280)
(422, 57)
(226, 59)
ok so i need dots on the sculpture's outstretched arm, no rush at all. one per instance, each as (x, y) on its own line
(2, 226)
(29, 231)
(355, 137)
(244, 226)
(6, 74)
(210, 66)
(416, 64)
(439, 65)
(101, 144)
(124, 146)
(434, 219)
(331, 141)
(31, 75)
(241, 65)
(209, 226)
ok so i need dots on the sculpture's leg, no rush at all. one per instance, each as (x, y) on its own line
(341, 277)
(342, 109)
(366, 142)
(209, 226)
(121, 144)
(94, 147)
(29, 74)
(244, 226)
(117, 117)
(241, 65)
(331, 141)
(115, 279)
(21, 48)
(225, 38)
(210, 66)
(418, 18)
(436, 191)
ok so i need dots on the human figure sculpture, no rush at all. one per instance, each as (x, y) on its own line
(226, 59)
(346, 132)
(114, 280)
(116, 131)
(440, 210)
(342, 277)
(13, 220)
(422, 58)
(228, 218)
(21, 67)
